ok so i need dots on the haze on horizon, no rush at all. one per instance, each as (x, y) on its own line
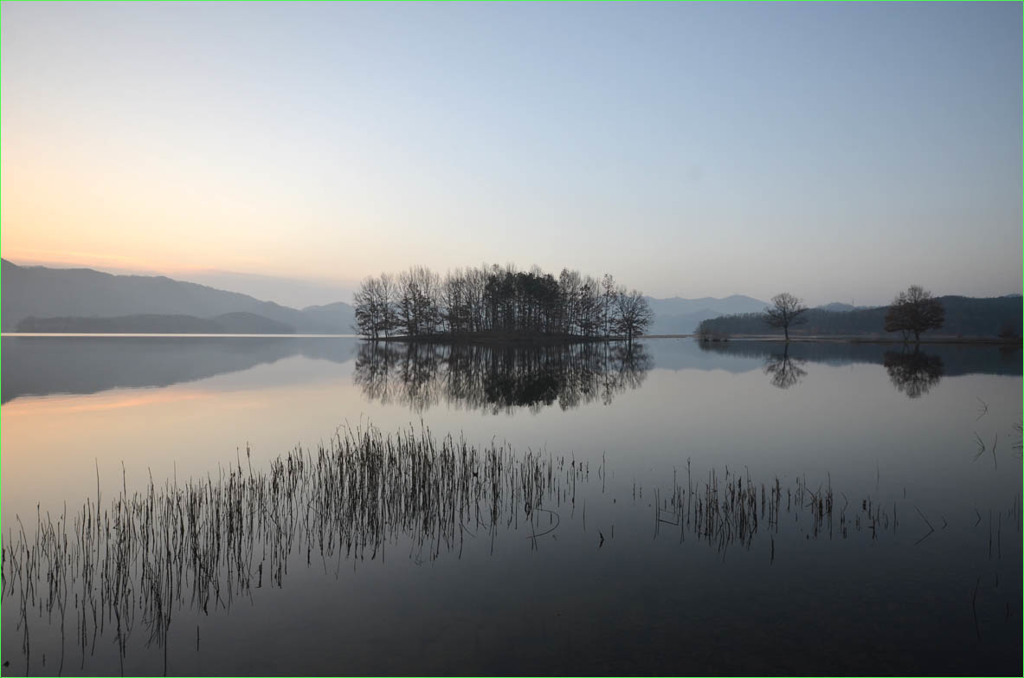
(840, 151)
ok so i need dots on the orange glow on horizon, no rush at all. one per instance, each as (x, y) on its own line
(65, 258)
(49, 405)
(126, 265)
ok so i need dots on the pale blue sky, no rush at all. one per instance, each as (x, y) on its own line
(837, 151)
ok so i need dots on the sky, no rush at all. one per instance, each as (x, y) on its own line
(840, 152)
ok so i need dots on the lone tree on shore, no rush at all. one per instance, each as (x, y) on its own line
(915, 310)
(786, 311)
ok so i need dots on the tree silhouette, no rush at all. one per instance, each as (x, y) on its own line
(500, 301)
(632, 315)
(914, 311)
(786, 311)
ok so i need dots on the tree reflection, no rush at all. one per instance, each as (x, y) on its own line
(913, 372)
(784, 370)
(498, 378)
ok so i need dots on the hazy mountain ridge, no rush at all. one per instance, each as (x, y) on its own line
(42, 299)
(48, 294)
(735, 303)
(840, 307)
(338, 314)
(678, 315)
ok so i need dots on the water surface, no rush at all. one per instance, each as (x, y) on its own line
(632, 549)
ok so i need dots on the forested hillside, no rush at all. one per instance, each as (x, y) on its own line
(965, 316)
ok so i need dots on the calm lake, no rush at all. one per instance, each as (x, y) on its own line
(261, 505)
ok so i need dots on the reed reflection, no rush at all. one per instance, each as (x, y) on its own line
(119, 571)
(498, 378)
(913, 372)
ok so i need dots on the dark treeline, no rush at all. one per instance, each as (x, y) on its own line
(498, 378)
(964, 316)
(498, 301)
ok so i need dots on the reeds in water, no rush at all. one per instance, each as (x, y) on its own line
(207, 542)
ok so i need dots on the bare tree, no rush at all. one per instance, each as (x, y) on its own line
(608, 301)
(915, 310)
(495, 299)
(371, 308)
(454, 303)
(590, 309)
(631, 315)
(389, 300)
(569, 285)
(476, 286)
(419, 307)
(786, 311)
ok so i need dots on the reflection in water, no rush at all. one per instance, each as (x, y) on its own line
(498, 378)
(784, 371)
(624, 569)
(142, 559)
(47, 365)
(40, 366)
(913, 373)
(957, 359)
(204, 544)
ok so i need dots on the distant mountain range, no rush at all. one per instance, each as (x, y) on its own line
(681, 316)
(148, 323)
(839, 307)
(41, 299)
(82, 300)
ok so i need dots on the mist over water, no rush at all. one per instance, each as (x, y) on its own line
(333, 506)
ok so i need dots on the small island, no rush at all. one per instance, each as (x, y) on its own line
(492, 304)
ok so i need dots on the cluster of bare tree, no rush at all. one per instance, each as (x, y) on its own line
(912, 312)
(419, 302)
(498, 378)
